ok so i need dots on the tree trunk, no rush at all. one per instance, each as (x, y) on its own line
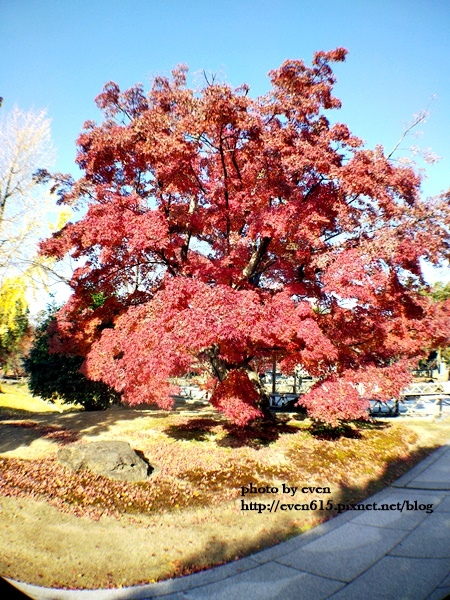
(264, 396)
(218, 365)
(221, 369)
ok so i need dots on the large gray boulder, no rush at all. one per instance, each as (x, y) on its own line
(116, 460)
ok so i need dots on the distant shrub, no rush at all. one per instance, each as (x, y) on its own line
(57, 376)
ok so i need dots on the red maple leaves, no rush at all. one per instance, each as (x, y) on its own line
(221, 229)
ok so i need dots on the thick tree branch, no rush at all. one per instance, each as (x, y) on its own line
(188, 235)
(226, 192)
(218, 365)
(256, 258)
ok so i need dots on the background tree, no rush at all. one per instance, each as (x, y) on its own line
(14, 324)
(221, 230)
(57, 376)
(27, 206)
(25, 146)
(440, 292)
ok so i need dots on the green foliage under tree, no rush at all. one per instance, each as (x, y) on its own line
(57, 376)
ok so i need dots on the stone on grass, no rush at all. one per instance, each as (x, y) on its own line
(113, 459)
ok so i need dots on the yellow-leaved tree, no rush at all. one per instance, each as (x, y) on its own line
(13, 323)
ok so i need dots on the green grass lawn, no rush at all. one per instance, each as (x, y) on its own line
(16, 397)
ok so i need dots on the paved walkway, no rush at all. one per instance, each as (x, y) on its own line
(389, 555)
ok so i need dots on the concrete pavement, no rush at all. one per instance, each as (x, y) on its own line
(393, 553)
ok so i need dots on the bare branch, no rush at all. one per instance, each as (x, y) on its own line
(419, 119)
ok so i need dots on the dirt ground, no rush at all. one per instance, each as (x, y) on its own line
(44, 545)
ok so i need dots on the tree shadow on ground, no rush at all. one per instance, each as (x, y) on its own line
(345, 430)
(74, 424)
(199, 429)
(7, 412)
(258, 434)
(179, 408)
(14, 434)
(394, 470)
(264, 433)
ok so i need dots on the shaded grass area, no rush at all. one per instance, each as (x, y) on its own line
(188, 516)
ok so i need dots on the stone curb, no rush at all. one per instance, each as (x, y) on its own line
(405, 479)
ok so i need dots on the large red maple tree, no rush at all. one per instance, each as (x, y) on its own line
(221, 229)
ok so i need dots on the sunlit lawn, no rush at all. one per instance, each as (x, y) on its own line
(16, 397)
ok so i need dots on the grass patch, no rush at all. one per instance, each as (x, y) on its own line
(188, 516)
(15, 399)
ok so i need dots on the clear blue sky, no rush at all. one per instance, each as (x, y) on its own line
(58, 54)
